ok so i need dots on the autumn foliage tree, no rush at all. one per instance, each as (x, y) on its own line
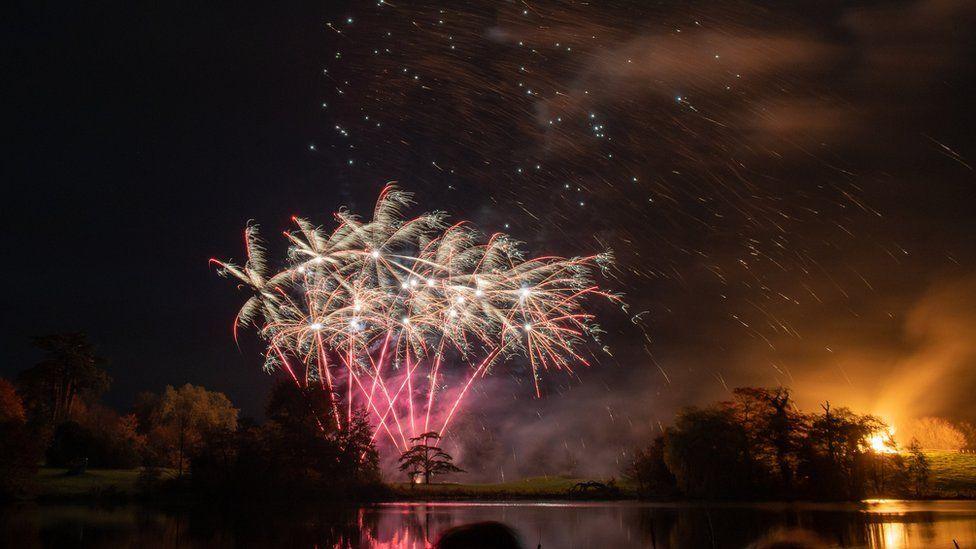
(181, 417)
(100, 437)
(18, 447)
(11, 406)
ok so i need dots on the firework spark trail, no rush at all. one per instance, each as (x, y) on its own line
(677, 131)
(374, 307)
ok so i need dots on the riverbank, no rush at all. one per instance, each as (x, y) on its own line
(537, 488)
(54, 485)
(953, 476)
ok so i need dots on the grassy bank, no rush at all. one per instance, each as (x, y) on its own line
(530, 488)
(54, 485)
(953, 475)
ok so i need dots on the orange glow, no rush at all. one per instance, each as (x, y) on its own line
(882, 442)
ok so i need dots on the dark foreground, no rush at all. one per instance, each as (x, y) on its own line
(884, 524)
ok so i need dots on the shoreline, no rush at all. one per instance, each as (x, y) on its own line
(107, 486)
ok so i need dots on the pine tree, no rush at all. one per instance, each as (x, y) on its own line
(426, 458)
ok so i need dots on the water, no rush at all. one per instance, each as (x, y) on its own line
(881, 524)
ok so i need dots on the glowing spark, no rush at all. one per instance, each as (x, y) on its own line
(355, 349)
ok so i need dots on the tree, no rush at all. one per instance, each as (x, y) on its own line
(650, 472)
(100, 437)
(145, 409)
(301, 426)
(19, 450)
(774, 427)
(759, 445)
(357, 456)
(936, 433)
(918, 468)
(70, 371)
(835, 457)
(296, 406)
(297, 453)
(11, 406)
(708, 452)
(968, 431)
(186, 414)
(427, 459)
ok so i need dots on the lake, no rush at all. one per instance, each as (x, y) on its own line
(881, 524)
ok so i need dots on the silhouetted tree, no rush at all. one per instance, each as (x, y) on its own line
(917, 466)
(650, 472)
(427, 459)
(758, 445)
(835, 457)
(707, 450)
(293, 406)
(299, 427)
(145, 408)
(357, 459)
(297, 453)
(774, 428)
(70, 371)
(100, 436)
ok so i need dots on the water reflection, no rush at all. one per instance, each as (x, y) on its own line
(878, 524)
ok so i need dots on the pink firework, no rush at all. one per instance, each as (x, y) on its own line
(378, 311)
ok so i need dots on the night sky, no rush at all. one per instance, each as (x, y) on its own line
(789, 188)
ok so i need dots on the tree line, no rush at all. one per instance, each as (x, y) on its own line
(184, 438)
(758, 445)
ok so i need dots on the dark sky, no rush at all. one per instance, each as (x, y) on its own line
(789, 187)
(144, 136)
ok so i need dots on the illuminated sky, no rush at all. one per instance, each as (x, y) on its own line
(789, 188)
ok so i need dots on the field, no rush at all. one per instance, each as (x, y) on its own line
(953, 474)
(54, 484)
(530, 488)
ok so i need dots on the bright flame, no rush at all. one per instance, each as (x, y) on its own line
(882, 443)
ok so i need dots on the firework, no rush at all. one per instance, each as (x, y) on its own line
(378, 311)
